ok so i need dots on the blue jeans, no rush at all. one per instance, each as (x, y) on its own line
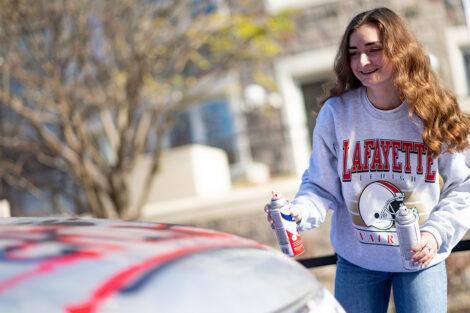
(361, 291)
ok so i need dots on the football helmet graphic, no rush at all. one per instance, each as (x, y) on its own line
(378, 204)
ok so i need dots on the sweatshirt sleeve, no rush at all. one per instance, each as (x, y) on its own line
(320, 186)
(450, 218)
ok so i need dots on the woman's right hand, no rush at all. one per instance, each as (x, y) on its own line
(294, 212)
(267, 209)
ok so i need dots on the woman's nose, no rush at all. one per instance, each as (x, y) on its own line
(364, 59)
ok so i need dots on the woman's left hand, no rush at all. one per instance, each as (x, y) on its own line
(425, 250)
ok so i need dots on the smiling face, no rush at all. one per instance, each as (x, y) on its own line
(367, 58)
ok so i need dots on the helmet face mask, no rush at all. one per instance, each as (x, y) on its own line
(394, 206)
(378, 204)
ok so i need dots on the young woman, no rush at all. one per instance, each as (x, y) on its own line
(387, 134)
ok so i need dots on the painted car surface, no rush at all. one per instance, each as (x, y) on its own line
(97, 265)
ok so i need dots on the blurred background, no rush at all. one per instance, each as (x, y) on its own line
(187, 111)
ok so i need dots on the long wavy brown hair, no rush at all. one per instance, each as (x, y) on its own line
(445, 126)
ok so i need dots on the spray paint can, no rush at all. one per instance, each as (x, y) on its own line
(409, 235)
(285, 226)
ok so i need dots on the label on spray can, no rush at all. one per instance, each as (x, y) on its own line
(407, 226)
(285, 226)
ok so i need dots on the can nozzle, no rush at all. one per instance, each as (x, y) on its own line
(403, 210)
(276, 195)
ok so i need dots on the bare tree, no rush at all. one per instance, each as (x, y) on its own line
(85, 83)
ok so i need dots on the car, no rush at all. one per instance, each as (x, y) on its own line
(90, 265)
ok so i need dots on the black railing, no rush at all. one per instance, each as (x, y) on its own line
(463, 245)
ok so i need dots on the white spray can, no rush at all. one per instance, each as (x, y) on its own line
(409, 235)
(285, 226)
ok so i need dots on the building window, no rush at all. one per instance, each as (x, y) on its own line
(181, 132)
(311, 92)
(466, 61)
(219, 126)
(210, 123)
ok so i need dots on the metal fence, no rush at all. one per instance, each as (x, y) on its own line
(463, 245)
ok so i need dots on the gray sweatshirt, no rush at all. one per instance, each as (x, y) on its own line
(365, 161)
